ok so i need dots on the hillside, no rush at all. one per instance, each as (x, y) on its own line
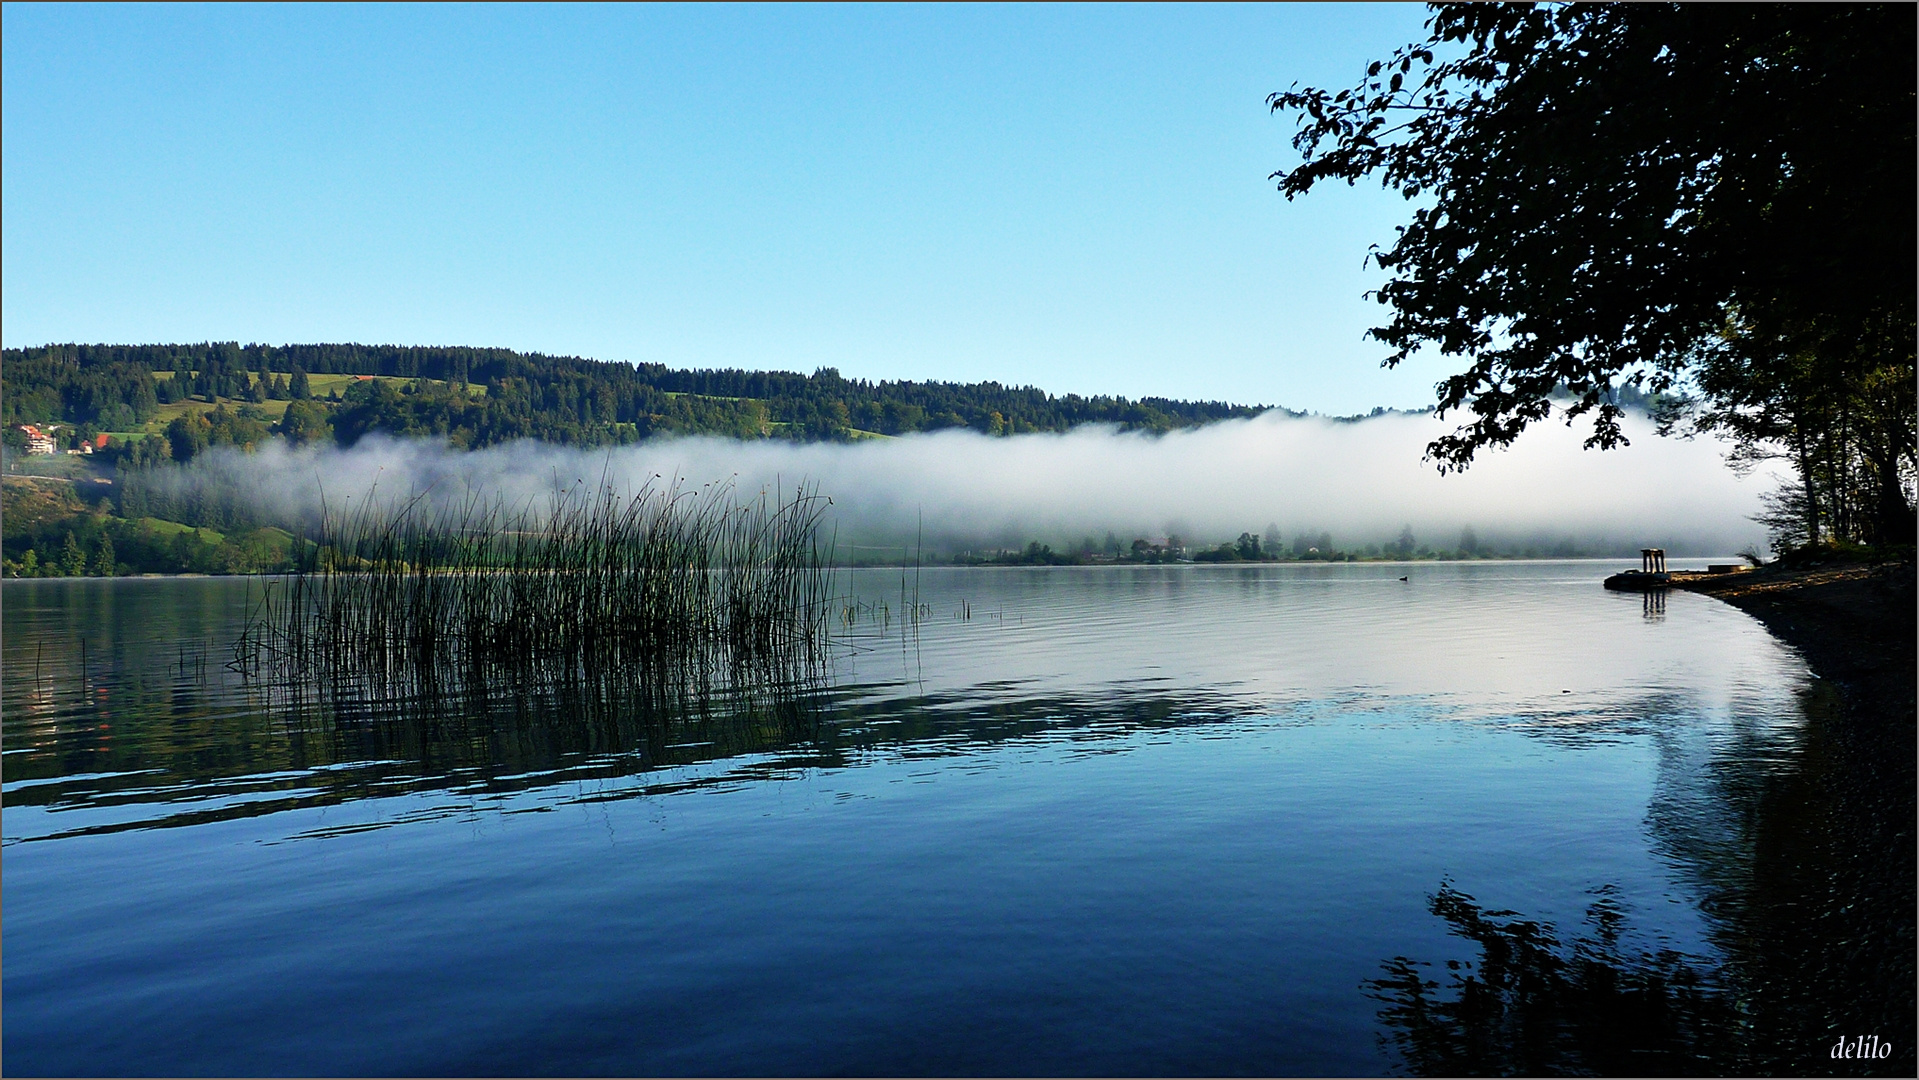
(216, 393)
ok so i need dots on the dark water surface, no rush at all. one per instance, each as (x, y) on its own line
(1117, 821)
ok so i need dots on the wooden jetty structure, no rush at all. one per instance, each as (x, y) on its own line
(1652, 573)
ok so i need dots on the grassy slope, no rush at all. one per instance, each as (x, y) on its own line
(32, 501)
(323, 385)
(320, 385)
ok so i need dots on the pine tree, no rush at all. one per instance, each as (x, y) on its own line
(103, 560)
(73, 561)
(298, 386)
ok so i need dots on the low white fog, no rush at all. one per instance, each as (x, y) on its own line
(1362, 482)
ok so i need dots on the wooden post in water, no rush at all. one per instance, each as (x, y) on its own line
(1652, 560)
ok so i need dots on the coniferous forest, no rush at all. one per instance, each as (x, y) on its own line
(473, 397)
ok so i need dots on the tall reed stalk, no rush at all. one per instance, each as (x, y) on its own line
(660, 594)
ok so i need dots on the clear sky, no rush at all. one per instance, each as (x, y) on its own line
(1071, 197)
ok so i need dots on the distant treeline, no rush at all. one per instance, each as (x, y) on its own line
(1306, 546)
(49, 530)
(475, 397)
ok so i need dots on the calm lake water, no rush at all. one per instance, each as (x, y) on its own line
(1081, 820)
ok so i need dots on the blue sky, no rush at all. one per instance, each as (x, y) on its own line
(1074, 198)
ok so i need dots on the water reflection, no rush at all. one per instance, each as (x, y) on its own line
(1798, 842)
(1804, 861)
(1653, 605)
(340, 752)
(1531, 1005)
(1092, 818)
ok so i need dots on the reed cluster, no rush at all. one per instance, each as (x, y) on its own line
(658, 594)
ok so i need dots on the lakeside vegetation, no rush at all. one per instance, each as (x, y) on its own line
(664, 591)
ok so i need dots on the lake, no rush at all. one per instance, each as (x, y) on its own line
(1105, 820)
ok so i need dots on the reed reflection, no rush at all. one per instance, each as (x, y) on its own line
(343, 750)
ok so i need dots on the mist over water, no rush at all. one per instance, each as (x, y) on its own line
(1361, 481)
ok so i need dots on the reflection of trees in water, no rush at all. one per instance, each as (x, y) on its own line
(1531, 1005)
(1823, 935)
(1799, 842)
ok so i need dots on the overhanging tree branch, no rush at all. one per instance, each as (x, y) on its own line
(1606, 185)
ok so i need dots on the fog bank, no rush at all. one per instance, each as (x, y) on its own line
(1360, 481)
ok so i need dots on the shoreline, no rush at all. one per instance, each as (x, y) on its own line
(1826, 938)
(152, 575)
(1855, 625)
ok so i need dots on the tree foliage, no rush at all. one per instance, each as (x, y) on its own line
(1680, 197)
(478, 397)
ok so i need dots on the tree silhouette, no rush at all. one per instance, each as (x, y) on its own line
(1676, 197)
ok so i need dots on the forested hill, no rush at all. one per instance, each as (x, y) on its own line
(219, 392)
